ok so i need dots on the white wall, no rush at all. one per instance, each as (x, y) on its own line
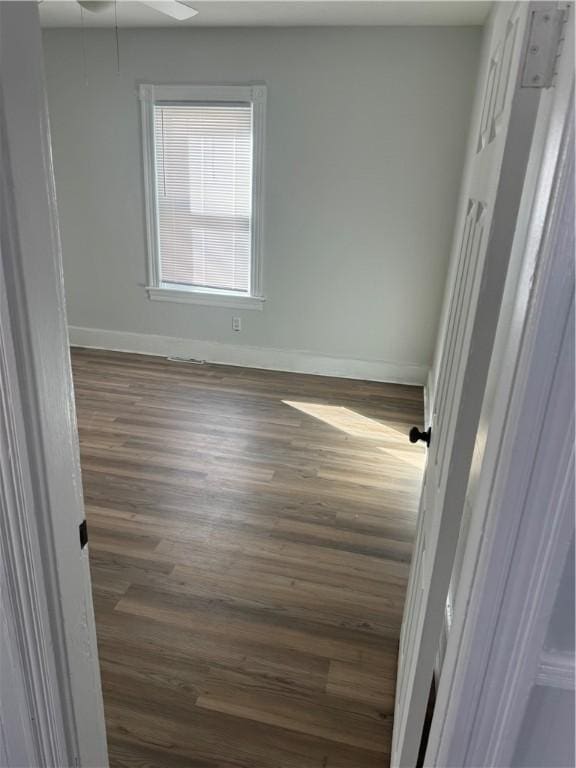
(546, 737)
(561, 629)
(366, 133)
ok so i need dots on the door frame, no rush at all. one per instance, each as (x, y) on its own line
(49, 649)
(514, 555)
(51, 633)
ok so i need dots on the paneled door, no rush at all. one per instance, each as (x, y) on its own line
(498, 155)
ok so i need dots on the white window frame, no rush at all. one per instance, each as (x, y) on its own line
(255, 94)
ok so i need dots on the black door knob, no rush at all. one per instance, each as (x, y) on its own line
(416, 435)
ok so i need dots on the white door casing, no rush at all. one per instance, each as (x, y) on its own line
(48, 629)
(501, 139)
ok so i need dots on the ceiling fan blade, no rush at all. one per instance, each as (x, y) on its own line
(177, 10)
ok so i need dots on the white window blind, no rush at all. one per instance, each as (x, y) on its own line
(203, 156)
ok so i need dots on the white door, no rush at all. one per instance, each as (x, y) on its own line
(500, 142)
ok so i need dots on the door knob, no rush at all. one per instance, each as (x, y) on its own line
(416, 435)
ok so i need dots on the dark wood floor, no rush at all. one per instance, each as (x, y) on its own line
(250, 537)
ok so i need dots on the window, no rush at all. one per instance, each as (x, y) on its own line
(203, 152)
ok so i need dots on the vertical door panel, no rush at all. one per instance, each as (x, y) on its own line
(481, 258)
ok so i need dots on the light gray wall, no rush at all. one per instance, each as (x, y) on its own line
(546, 739)
(366, 133)
(560, 636)
(547, 734)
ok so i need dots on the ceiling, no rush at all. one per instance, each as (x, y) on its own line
(274, 13)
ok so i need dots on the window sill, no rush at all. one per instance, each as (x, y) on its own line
(205, 298)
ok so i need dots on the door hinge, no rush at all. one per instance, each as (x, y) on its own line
(83, 528)
(547, 30)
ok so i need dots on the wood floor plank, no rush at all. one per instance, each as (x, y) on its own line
(250, 540)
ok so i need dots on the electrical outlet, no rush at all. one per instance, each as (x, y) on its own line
(236, 324)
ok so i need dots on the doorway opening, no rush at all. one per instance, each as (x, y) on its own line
(250, 543)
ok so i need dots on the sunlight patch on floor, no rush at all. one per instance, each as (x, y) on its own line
(413, 455)
(390, 440)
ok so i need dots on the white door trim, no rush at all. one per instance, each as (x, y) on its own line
(515, 553)
(50, 630)
(26, 643)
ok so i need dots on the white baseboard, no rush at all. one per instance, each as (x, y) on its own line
(295, 361)
(557, 670)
